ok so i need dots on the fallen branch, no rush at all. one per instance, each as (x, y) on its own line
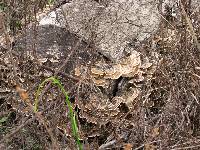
(192, 32)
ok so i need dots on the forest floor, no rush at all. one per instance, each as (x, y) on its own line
(166, 115)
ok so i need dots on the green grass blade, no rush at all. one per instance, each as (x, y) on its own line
(71, 113)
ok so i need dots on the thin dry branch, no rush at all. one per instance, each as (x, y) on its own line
(192, 32)
(61, 67)
(8, 136)
(187, 147)
(24, 96)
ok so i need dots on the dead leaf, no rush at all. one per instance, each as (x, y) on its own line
(128, 146)
(155, 132)
(22, 93)
(149, 147)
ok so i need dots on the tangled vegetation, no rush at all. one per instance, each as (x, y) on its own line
(163, 115)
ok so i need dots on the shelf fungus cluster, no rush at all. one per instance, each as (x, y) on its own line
(112, 27)
(131, 68)
(127, 67)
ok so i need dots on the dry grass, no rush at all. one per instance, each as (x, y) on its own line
(166, 115)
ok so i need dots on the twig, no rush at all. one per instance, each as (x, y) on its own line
(61, 67)
(8, 136)
(162, 15)
(41, 119)
(62, 73)
(192, 32)
(188, 147)
(8, 40)
(104, 146)
(24, 96)
(143, 145)
(4, 113)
